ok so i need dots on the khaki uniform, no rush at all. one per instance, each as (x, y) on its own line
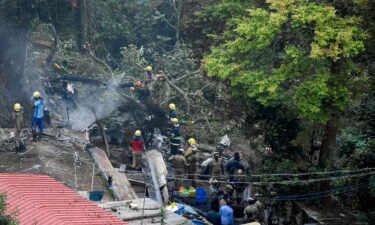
(251, 212)
(17, 119)
(191, 159)
(217, 168)
(179, 164)
(137, 160)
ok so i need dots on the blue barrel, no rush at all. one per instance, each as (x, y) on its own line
(96, 195)
(201, 196)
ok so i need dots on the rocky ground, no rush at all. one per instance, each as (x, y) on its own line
(60, 155)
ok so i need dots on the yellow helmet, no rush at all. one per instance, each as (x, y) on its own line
(192, 141)
(149, 68)
(138, 133)
(174, 120)
(36, 94)
(172, 106)
(17, 107)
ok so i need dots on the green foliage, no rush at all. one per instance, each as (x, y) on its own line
(294, 53)
(372, 186)
(6, 219)
(351, 140)
(276, 164)
(151, 24)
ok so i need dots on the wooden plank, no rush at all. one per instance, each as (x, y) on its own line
(159, 171)
(150, 212)
(121, 187)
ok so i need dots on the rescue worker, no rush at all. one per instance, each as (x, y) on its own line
(234, 165)
(141, 91)
(38, 104)
(261, 209)
(17, 119)
(172, 111)
(214, 186)
(175, 137)
(179, 163)
(137, 148)
(191, 159)
(239, 182)
(150, 74)
(251, 211)
(228, 194)
(216, 166)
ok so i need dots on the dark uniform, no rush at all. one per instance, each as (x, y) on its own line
(172, 114)
(175, 139)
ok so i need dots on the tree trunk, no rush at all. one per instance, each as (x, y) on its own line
(329, 143)
(84, 24)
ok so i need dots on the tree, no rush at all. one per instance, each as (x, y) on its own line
(297, 54)
(4, 218)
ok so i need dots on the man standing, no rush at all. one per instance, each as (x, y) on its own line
(226, 213)
(137, 148)
(179, 164)
(17, 119)
(38, 104)
(191, 159)
(234, 165)
(216, 166)
(251, 211)
(175, 137)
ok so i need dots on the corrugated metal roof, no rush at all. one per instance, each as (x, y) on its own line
(41, 200)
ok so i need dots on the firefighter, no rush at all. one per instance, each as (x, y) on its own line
(175, 137)
(172, 111)
(17, 119)
(141, 91)
(150, 74)
(38, 104)
(137, 148)
(191, 159)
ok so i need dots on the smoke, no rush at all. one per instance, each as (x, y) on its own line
(96, 106)
(11, 67)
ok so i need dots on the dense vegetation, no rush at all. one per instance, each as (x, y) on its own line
(293, 76)
(5, 219)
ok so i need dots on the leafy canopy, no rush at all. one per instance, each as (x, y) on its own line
(295, 53)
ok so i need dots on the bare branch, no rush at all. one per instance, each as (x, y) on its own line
(184, 95)
(186, 76)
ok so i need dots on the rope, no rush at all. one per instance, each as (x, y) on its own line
(310, 195)
(315, 195)
(281, 174)
(276, 182)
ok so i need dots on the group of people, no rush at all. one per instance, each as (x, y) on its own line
(226, 205)
(37, 102)
(223, 212)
